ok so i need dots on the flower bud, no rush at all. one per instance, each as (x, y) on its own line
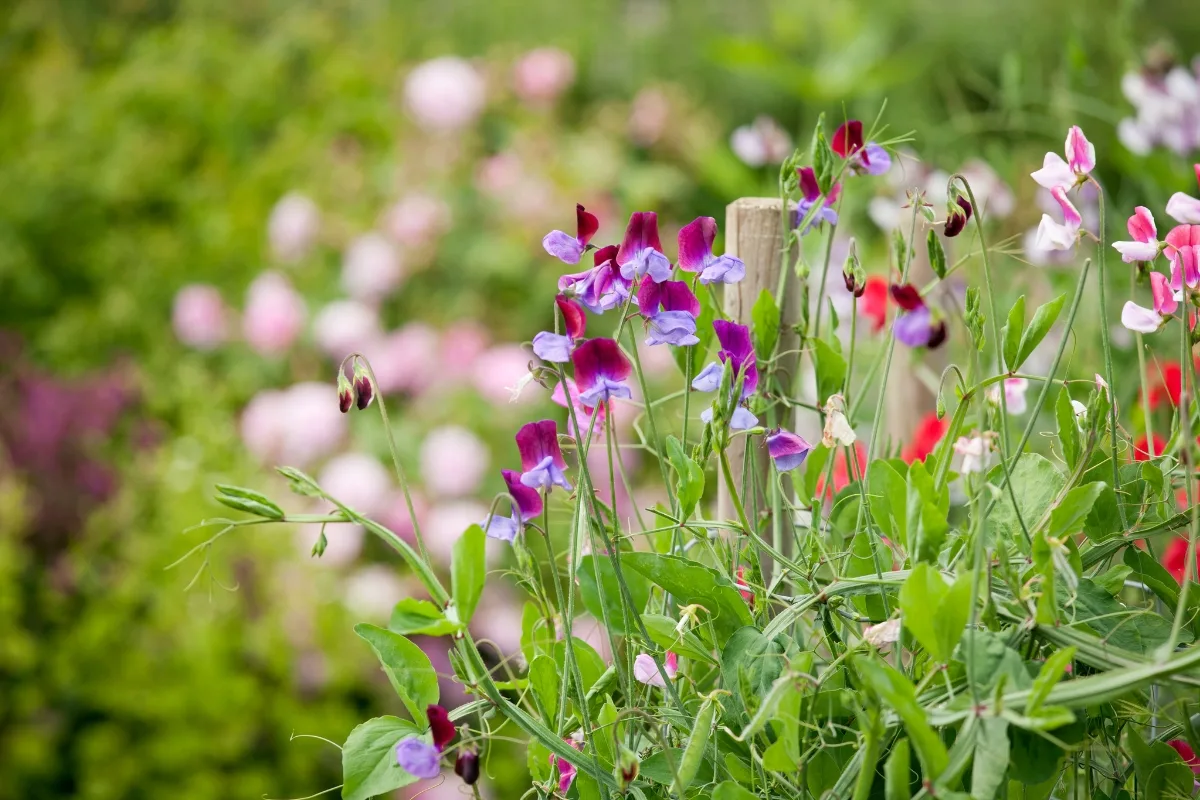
(958, 214)
(852, 273)
(466, 766)
(345, 392)
(628, 764)
(363, 388)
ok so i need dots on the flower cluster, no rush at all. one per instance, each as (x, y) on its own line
(1166, 109)
(1060, 177)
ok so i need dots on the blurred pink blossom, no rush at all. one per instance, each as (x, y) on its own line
(541, 75)
(760, 143)
(372, 591)
(371, 268)
(274, 315)
(295, 426)
(396, 517)
(344, 327)
(649, 116)
(499, 174)
(406, 360)
(358, 480)
(462, 345)
(446, 524)
(499, 370)
(293, 227)
(417, 220)
(453, 461)
(444, 94)
(200, 317)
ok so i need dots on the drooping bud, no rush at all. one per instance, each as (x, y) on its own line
(852, 273)
(363, 388)
(440, 726)
(628, 764)
(958, 213)
(937, 334)
(466, 766)
(345, 392)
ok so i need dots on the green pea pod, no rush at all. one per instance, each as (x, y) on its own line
(697, 744)
(247, 500)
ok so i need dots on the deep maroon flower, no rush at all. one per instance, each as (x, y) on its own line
(440, 725)
(870, 158)
(907, 296)
(848, 138)
(670, 310)
(810, 196)
(787, 449)
(466, 766)
(527, 504)
(542, 461)
(641, 251)
(345, 393)
(567, 248)
(555, 347)
(418, 758)
(364, 390)
(696, 255)
(600, 288)
(957, 216)
(600, 371)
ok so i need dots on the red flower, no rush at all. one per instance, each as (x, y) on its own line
(1175, 558)
(929, 432)
(1169, 387)
(1142, 453)
(841, 470)
(1186, 753)
(440, 726)
(744, 588)
(873, 304)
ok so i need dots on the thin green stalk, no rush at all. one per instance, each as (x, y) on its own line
(1185, 426)
(1105, 339)
(825, 270)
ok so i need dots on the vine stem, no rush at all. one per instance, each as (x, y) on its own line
(1105, 339)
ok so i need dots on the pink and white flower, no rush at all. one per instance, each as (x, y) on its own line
(1081, 160)
(1149, 320)
(760, 143)
(645, 670)
(1014, 395)
(1144, 246)
(1185, 208)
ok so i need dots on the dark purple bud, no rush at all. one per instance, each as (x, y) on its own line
(907, 297)
(466, 766)
(363, 389)
(345, 393)
(852, 285)
(957, 216)
(937, 334)
(440, 726)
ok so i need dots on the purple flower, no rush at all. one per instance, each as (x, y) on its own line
(811, 192)
(600, 371)
(600, 288)
(567, 248)
(737, 348)
(670, 310)
(917, 327)
(696, 255)
(641, 251)
(709, 378)
(542, 461)
(555, 347)
(527, 504)
(740, 420)
(787, 449)
(418, 758)
(847, 142)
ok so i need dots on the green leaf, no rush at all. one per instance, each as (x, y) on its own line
(1112, 580)
(1011, 334)
(299, 482)
(591, 665)
(413, 616)
(1068, 428)
(1043, 319)
(935, 613)
(1134, 629)
(752, 662)
(248, 500)
(937, 255)
(927, 511)
(730, 790)
(896, 772)
(1068, 516)
(765, 316)
(895, 690)
(1046, 718)
(605, 597)
(991, 758)
(1153, 574)
(814, 469)
(690, 582)
(830, 368)
(544, 679)
(1049, 675)
(369, 765)
(1104, 520)
(886, 497)
(689, 477)
(468, 569)
(974, 318)
(1160, 771)
(1035, 482)
(662, 633)
(407, 667)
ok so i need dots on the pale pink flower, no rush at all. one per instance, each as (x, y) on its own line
(974, 452)
(541, 75)
(645, 671)
(760, 143)
(296, 426)
(417, 220)
(274, 315)
(1149, 320)
(461, 346)
(1144, 246)
(453, 461)
(445, 94)
(499, 370)
(1014, 394)
(649, 117)
(884, 633)
(371, 268)
(1185, 208)
(293, 227)
(200, 317)
(359, 481)
(371, 592)
(344, 327)
(406, 360)
(1081, 160)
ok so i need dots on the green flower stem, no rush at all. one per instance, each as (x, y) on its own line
(657, 443)
(1106, 341)
(573, 677)
(816, 332)
(1185, 428)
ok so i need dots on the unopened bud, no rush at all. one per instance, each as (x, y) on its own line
(363, 388)
(958, 213)
(466, 766)
(320, 545)
(628, 765)
(345, 393)
(852, 273)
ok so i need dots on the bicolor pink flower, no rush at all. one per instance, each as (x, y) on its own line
(641, 251)
(600, 288)
(526, 505)
(1148, 320)
(600, 371)
(1053, 235)
(542, 462)
(787, 449)
(557, 347)
(696, 255)
(1183, 248)
(743, 588)
(199, 317)
(1080, 161)
(1185, 208)
(1144, 246)
(974, 452)
(453, 461)
(810, 192)
(869, 158)
(917, 326)
(645, 671)
(1014, 395)
(567, 248)
(583, 412)
(670, 310)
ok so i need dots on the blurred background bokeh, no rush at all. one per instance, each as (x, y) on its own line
(205, 205)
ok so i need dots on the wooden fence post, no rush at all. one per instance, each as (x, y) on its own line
(753, 233)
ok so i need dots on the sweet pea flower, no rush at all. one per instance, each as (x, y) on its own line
(444, 94)
(293, 227)
(873, 304)
(1184, 208)
(600, 371)
(541, 75)
(453, 461)
(917, 327)
(871, 158)
(1081, 160)
(1063, 235)
(1144, 246)
(371, 268)
(556, 347)
(600, 288)
(928, 434)
(1149, 320)
(274, 315)
(542, 461)
(641, 251)
(670, 310)
(1175, 558)
(526, 505)
(744, 588)
(1183, 248)
(645, 671)
(1014, 395)
(811, 196)
(696, 255)
(1144, 449)
(1184, 749)
(566, 770)
(974, 452)
(567, 248)
(787, 449)
(199, 317)
(738, 351)
(583, 412)
(440, 726)
(418, 758)
(882, 634)
(837, 431)
(763, 142)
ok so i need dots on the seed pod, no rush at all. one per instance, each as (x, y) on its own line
(697, 744)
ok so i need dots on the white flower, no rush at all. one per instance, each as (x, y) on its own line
(884, 633)
(1014, 395)
(445, 94)
(837, 430)
(974, 451)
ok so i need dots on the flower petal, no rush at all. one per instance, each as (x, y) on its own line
(537, 441)
(599, 358)
(787, 449)
(1136, 251)
(563, 246)
(726, 269)
(1071, 216)
(1139, 319)
(641, 233)
(742, 419)
(809, 187)
(528, 501)
(672, 327)
(914, 328)
(907, 296)
(645, 671)
(552, 347)
(848, 138)
(678, 296)
(1141, 226)
(1081, 154)
(875, 159)
(574, 319)
(695, 243)
(440, 726)
(709, 378)
(1184, 208)
(1054, 173)
(586, 223)
(1164, 298)
(418, 758)
(1052, 235)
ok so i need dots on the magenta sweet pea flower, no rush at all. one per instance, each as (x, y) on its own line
(696, 255)
(646, 671)
(811, 196)
(917, 327)
(1081, 160)
(418, 758)
(440, 726)
(567, 248)
(542, 461)
(1184, 208)
(526, 505)
(787, 449)
(583, 411)
(1144, 246)
(870, 158)
(566, 770)
(1183, 248)
(641, 251)
(670, 310)
(1149, 320)
(557, 347)
(737, 348)
(600, 371)
(600, 288)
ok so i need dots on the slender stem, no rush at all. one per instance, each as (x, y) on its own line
(1185, 427)
(825, 269)
(1105, 339)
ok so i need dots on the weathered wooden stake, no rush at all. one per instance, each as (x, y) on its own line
(753, 233)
